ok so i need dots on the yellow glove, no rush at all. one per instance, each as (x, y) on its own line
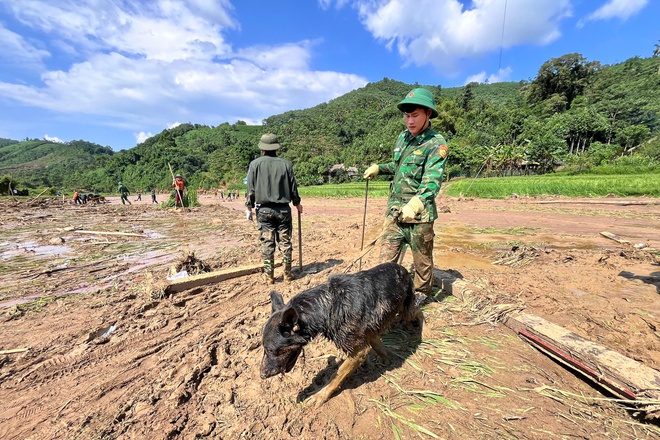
(411, 209)
(371, 172)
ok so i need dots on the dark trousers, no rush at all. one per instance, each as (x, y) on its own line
(275, 228)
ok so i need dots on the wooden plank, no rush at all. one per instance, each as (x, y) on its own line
(625, 377)
(614, 237)
(204, 279)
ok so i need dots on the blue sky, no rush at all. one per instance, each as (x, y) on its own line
(115, 72)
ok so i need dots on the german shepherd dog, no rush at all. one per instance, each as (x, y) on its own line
(350, 310)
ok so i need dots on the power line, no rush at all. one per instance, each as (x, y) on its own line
(499, 67)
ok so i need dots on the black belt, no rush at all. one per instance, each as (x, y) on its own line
(273, 205)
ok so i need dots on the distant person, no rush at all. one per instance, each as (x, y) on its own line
(123, 192)
(179, 186)
(139, 196)
(271, 187)
(420, 155)
(153, 195)
(76, 198)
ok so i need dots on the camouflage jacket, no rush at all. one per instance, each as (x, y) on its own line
(417, 167)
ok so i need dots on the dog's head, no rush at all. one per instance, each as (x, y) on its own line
(282, 340)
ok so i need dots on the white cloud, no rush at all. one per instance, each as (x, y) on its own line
(482, 77)
(136, 65)
(326, 4)
(448, 31)
(15, 50)
(142, 136)
(163, 30)
(53, 139)
(621, 9)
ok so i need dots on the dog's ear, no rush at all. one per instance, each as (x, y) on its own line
(289, 323)
(277, 301)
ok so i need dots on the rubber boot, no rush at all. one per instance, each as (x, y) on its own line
(288, 276)
(268, 277)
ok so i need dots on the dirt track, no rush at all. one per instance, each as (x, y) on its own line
(107, 357)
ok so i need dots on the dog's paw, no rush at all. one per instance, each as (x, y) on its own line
(318, 399)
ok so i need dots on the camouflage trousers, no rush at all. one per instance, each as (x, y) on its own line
(275, 227)
(419, 237)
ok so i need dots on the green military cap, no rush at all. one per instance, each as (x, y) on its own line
(419, 97)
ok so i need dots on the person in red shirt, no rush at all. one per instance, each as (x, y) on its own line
(179, 186)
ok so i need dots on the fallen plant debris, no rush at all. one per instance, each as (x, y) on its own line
(186, 364)
(518, 256)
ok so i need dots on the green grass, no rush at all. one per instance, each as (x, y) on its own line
(584, 185)
(350, 189)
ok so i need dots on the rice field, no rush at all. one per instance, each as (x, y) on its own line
(585, 185)
(350, 189)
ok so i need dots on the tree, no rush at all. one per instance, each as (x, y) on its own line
(567, 76)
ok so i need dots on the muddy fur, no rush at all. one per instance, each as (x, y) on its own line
(351, 310)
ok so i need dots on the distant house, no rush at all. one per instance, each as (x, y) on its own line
(339, 172)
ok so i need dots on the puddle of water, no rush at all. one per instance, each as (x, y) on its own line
(452, 260)
(153, 234)
(11, 250)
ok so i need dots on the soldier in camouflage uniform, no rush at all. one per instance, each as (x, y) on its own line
(420, 155)
(271, 187)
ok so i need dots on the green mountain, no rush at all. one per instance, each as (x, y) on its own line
(39, 163)
(575, 112)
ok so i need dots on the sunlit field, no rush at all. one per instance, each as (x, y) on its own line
(586, 185)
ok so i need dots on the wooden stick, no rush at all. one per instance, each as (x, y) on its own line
(14, 350)
(40, 194)
(300, 269)
(364, 218)
(130, 234)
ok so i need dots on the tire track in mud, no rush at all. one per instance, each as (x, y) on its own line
(161, 352)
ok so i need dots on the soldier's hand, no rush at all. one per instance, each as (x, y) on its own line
(371, 172)
(411, 209)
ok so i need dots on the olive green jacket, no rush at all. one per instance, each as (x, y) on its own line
(270, 180)
(418, 165)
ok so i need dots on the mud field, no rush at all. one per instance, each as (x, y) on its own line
(93, 349)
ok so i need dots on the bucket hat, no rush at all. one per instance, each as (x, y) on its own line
(269, 142)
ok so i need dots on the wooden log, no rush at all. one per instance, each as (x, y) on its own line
(622, 376)
(130, 234)
(181, 284)
(599, 202)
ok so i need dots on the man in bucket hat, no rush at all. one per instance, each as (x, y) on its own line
(420, 154)
(271, 187)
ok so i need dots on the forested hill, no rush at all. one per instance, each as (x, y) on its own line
(574, 112)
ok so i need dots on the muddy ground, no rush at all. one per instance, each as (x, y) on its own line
(101, 353)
